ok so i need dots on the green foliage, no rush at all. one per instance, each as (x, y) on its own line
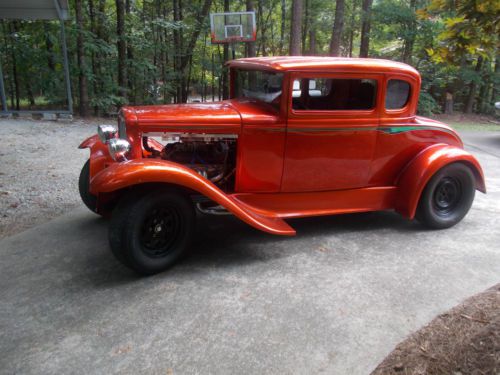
(471, 28)
(427, 105)
(443, 42)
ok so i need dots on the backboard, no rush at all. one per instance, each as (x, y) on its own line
(232, 27)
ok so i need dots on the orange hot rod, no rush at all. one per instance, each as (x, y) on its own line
(299, 136)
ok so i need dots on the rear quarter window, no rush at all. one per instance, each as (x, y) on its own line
(397, 94)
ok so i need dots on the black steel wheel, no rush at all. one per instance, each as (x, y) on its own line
(83, 186)
(150, 232)
(447, 197)
(160, 230)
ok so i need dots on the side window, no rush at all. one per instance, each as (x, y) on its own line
(327, 94)
(397, 94)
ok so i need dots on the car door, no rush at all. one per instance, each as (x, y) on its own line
(331, 131)
(261, 145)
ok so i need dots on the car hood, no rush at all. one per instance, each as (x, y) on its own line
(219, 117)
(193, 117)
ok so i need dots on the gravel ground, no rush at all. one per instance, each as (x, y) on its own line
(39, 168)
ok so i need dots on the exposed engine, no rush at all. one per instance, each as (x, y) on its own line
(213, 157)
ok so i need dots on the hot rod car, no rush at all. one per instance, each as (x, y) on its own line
(299, 136)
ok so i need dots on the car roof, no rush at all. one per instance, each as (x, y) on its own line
(316, 63)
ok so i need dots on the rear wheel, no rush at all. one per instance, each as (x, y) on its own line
(83, 186)
(151, 232)
(447, 197)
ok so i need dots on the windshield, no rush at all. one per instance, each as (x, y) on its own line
(258, 84)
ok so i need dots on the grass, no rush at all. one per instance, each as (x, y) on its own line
(470, 122)
(474, 126)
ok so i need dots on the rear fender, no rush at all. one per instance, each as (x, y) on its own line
(140, 171)
(420, 170)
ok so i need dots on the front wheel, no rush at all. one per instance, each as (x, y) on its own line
(150, 232)
(83, 186)
(447, 197)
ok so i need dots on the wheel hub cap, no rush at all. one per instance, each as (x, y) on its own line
(447, 195)
(160, 231)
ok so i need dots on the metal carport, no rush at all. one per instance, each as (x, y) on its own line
(38, 10)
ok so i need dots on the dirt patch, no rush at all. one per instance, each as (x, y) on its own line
(39, 167)
(464, 340)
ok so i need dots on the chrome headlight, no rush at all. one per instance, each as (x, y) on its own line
(118, 149)
(106, 132)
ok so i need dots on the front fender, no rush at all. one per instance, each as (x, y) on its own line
(90, 142)
(99, 154)
(139, 171)
(420, 170)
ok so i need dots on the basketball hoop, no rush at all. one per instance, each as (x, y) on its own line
(232, 27)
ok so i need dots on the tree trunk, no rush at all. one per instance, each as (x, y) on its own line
(121, 45)
(448, 104)
(365, 28)
(186, 57)
(410, 40)
(351, 27)
(312, 41)
(95, 69)
(51, 64)
(225, 73)
(261, 27)
(213, 77)
(177, 49)
(483, 95)
(473, 88)
(130, 57)
(80, 56)
(219, 88)
(282, 30)
(338, 27)
(29, 92)
(296, 28)
(250, 47)
(101, 19)
(496, 74)
(305, 25)
(8, 45)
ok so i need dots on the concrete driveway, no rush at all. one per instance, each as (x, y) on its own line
(335, 299)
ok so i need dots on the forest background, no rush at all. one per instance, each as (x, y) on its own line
(154, 51)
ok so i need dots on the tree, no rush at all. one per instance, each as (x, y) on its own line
(338, 27)
(80, 53)
(282, 27)
(471, 28)
(409, 40)
(469, 39)
(394, 22)
(155, 51)
(469, 105)
(121, 45)
(250, 47)
(366, 10)
(296, 28)
(225, 77)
